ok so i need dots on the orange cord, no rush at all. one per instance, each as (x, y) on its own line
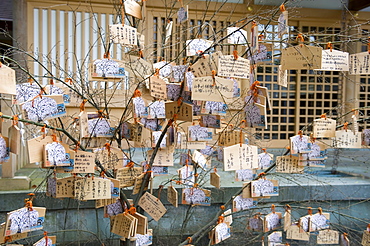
(82, 105)
(107, 146)
(300, 39)
(132, 210)
(345, 126)
(137, 93)
(29, 205)
(68, 80)
(282, 8)
(300, 133)
(241, 138)
(273, 208)
(43, 131)
(77, 145)
(242, 124)
(46, 237)
(329, 45)
(309, 211)
(131, 164)
(213, 77)
(235, 54)
(220, 219)
(102, 173)
(156, 72)
(100, 113)
(15, 120)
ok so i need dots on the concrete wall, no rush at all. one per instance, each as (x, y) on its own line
(80, 222)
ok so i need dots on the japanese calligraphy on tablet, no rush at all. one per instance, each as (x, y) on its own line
(158, 88)
(301, 57)
(288, 164)
(123, 34)
(328, 237)
(282, 77)
(152, 206)
(348, 139)
(205, 65)
(92, 188)
(293, 232)
(184, 112)
(324, 128)
(334, 60)
(127, 175)
(359, 63)
(228, 66)
(133, 8)
(216, 89)
(172, 196)
(238, 157)
(163, 157)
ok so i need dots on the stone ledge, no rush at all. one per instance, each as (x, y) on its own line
(16, 183)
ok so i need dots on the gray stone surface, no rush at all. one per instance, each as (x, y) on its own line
(344, 194)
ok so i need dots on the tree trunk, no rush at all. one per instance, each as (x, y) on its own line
(128, 242)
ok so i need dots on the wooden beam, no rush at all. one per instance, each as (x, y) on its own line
(356, 5)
